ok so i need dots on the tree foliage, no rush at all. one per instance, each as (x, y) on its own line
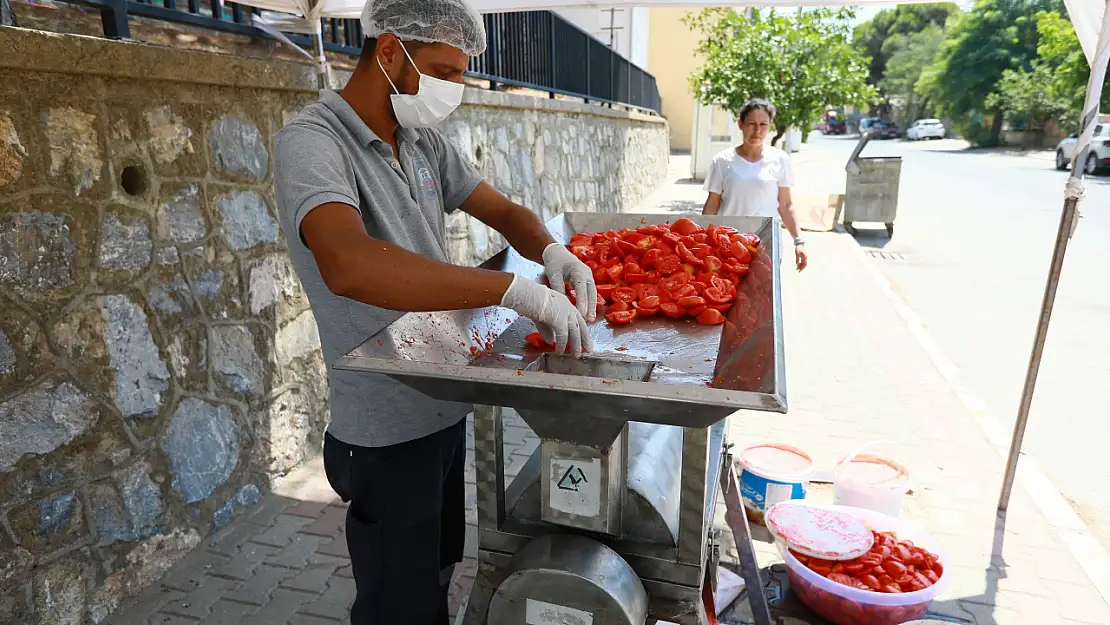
(881, 37)
(800, 61)
(995, 36)
(909, 56)
(1056, 84)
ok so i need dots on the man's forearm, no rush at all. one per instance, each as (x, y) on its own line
(384, 275)
(524, 230)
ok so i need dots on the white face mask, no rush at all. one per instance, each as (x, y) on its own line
(435, 99)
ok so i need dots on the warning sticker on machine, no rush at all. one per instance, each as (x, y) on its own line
(575, 486)
(543, 613)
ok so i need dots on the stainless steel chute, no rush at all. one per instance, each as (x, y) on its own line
(632, 437)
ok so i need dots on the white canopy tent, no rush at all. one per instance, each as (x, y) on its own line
(1090, 18)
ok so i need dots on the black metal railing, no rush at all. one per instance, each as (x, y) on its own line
(533, 49)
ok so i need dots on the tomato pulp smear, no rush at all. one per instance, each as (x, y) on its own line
(680, 270)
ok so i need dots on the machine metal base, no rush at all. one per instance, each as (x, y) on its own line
(494, 585)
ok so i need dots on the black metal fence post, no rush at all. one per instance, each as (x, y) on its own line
(113, 15)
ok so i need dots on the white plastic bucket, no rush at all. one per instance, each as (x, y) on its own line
(772, 473)
(872, 482)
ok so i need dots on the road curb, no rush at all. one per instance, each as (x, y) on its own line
(1073, 532)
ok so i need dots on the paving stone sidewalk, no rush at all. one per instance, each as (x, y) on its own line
(855, 375)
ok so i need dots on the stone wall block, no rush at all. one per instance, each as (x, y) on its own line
(188, 357)
(62, 589)
(127, 508)
(137, 569)
(180, 216)
(51, 459)
(51, 523)
(17, 162)
(237, 368)
(75, 147)
(202, 444)
(24, 351)
(246, 221)
(45, 417)
(126, 247)
(213, 274)
(238, 149)
(135, 361)
(296, 340)
(47, 247)
(15, 567)
(274, 292)
(283, 429)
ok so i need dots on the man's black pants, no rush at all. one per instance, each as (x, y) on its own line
(406, 523)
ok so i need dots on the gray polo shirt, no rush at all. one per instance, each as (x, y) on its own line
(327, 154)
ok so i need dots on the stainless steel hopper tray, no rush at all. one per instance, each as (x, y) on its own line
(696, 375)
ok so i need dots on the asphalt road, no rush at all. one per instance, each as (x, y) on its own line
(970, 254)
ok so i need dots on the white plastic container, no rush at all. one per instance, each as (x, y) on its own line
(849, 606)
(772, 473)
(871, 481)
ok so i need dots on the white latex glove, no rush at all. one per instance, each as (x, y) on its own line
(561, 267)
(557, 320)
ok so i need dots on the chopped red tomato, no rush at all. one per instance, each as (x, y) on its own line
(685, 226)
(672, 310)
(624, 294)
(710, 317)
(620, 318)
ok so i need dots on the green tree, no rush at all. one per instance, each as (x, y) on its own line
(910, 55)
(1028, 98)
(995, 36)
(1056, 84)
(878, 38)
(800, 61)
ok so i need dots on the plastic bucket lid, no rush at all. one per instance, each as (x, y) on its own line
(874, 472)
(819, 531)
(776, 461)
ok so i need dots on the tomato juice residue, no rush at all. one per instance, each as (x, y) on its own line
(622, 348)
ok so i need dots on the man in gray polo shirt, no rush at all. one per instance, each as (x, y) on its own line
(364, 184)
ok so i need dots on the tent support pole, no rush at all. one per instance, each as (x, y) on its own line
(1063, 235)
(1098, 60)
(321, 60)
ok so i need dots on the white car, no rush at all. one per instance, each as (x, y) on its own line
(925, 129)
(1098, 157)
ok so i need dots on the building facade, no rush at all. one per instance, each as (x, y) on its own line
(625, 30)
(672, 62)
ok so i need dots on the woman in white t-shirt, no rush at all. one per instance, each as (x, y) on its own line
(753, 180)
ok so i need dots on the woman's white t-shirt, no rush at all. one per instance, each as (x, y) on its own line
(749, 189)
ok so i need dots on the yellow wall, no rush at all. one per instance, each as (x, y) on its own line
(671, 60)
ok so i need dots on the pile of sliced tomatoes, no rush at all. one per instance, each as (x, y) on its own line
(892, 566)
(680, 270)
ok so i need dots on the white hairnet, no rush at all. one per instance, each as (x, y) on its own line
(453, 22)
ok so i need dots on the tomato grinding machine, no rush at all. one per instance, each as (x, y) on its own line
(610, 520)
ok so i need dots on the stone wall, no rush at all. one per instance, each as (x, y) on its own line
(158, 361)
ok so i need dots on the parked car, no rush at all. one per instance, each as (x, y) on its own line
(925, 129)
(868, 124)
(1098, 158)
(886, 130)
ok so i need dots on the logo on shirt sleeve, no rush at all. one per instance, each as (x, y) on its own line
(424, 177)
